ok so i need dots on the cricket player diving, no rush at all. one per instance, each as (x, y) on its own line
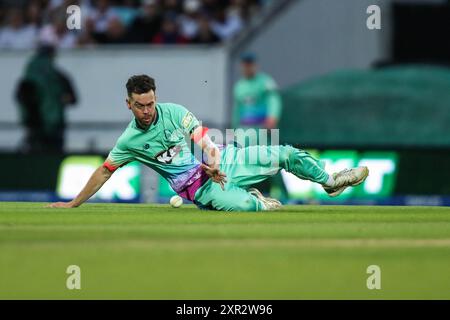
(222, 179)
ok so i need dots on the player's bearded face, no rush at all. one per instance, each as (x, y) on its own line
(143, 107)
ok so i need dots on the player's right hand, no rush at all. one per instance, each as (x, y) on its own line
(216, 175)
(60, 205)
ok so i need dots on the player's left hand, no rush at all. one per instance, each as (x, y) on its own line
(59, 205)
(216, 175)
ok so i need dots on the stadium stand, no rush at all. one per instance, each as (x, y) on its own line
(26, 23)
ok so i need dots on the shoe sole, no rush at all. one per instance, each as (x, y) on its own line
(259, 195)
(357, 183)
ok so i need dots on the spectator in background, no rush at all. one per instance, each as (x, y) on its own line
(100, 17)
(54, 4)
(115, 33)
(33, 14)
(105, 25)
(126, 12)
(16, 34)
(243, 8)
(173, 6)
(146, 24)
(42, 94)
(257, 102)
(57, 34)
(189, 19)
(210, 5)
(205, 34)
(226, 24)
(169, 33)
(2, 16)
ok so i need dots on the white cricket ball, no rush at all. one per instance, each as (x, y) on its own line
(176, 201)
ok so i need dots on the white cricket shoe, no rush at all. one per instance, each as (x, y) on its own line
(347, 178)
(269, 203)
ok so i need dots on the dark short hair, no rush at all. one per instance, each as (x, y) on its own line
(140, 84)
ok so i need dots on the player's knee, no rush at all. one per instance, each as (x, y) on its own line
(287, 156)
(247, 204)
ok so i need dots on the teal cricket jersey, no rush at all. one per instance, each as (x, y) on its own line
(163, 148)
(255, 100)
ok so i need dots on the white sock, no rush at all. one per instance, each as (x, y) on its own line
(330, 181)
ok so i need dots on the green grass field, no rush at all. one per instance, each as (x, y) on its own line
(156, 252)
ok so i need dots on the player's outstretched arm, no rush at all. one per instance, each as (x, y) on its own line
(212, 166)
(96, 181)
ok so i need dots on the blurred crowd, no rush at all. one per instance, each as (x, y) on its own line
(25, 24)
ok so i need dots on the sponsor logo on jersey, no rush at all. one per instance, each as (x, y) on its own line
(167, 156)
(187, 120)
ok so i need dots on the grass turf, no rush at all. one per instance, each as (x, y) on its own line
(157, 252)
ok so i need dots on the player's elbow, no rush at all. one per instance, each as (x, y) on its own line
(105, 172)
